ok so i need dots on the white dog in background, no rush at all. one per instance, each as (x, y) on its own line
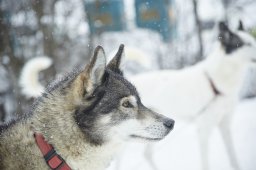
(206, 93)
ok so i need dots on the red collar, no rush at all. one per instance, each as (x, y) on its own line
(215, 90)
(53, 160)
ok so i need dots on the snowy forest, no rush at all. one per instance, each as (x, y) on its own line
(67, 32)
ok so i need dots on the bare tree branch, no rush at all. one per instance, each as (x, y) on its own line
(199, 30)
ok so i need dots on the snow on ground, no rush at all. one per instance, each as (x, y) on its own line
(180, 149)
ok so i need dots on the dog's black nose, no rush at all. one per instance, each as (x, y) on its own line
(169, 123)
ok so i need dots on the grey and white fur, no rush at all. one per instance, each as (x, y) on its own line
(87, 116)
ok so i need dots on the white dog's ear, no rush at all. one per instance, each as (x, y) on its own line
(240, 26)
(117, 63)
(223, 28)
(224, 33)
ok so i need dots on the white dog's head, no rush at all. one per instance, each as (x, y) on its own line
(237, 44)
(229, 62)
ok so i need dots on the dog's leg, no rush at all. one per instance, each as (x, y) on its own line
(225, 130)
(118, 162)
(203, 136)
(149, 156)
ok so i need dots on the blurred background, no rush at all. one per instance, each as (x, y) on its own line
(158, 34)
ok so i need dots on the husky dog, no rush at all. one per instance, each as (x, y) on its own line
(206, 93)
(85, 117)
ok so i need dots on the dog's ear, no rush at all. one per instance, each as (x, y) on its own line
(97, 66)
(116, 63)
(92, 75)
(224, 33)
(223, 28)
(240, 26)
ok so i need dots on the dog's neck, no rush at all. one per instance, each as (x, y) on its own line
(60, 130)
(226, 73)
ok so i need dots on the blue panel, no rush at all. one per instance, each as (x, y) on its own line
(154, 14)
(105, 15)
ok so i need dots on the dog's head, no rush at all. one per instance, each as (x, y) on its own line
(239, 44)
(109, 106)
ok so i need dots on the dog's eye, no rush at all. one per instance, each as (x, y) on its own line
(127, 104)
(90, 97)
